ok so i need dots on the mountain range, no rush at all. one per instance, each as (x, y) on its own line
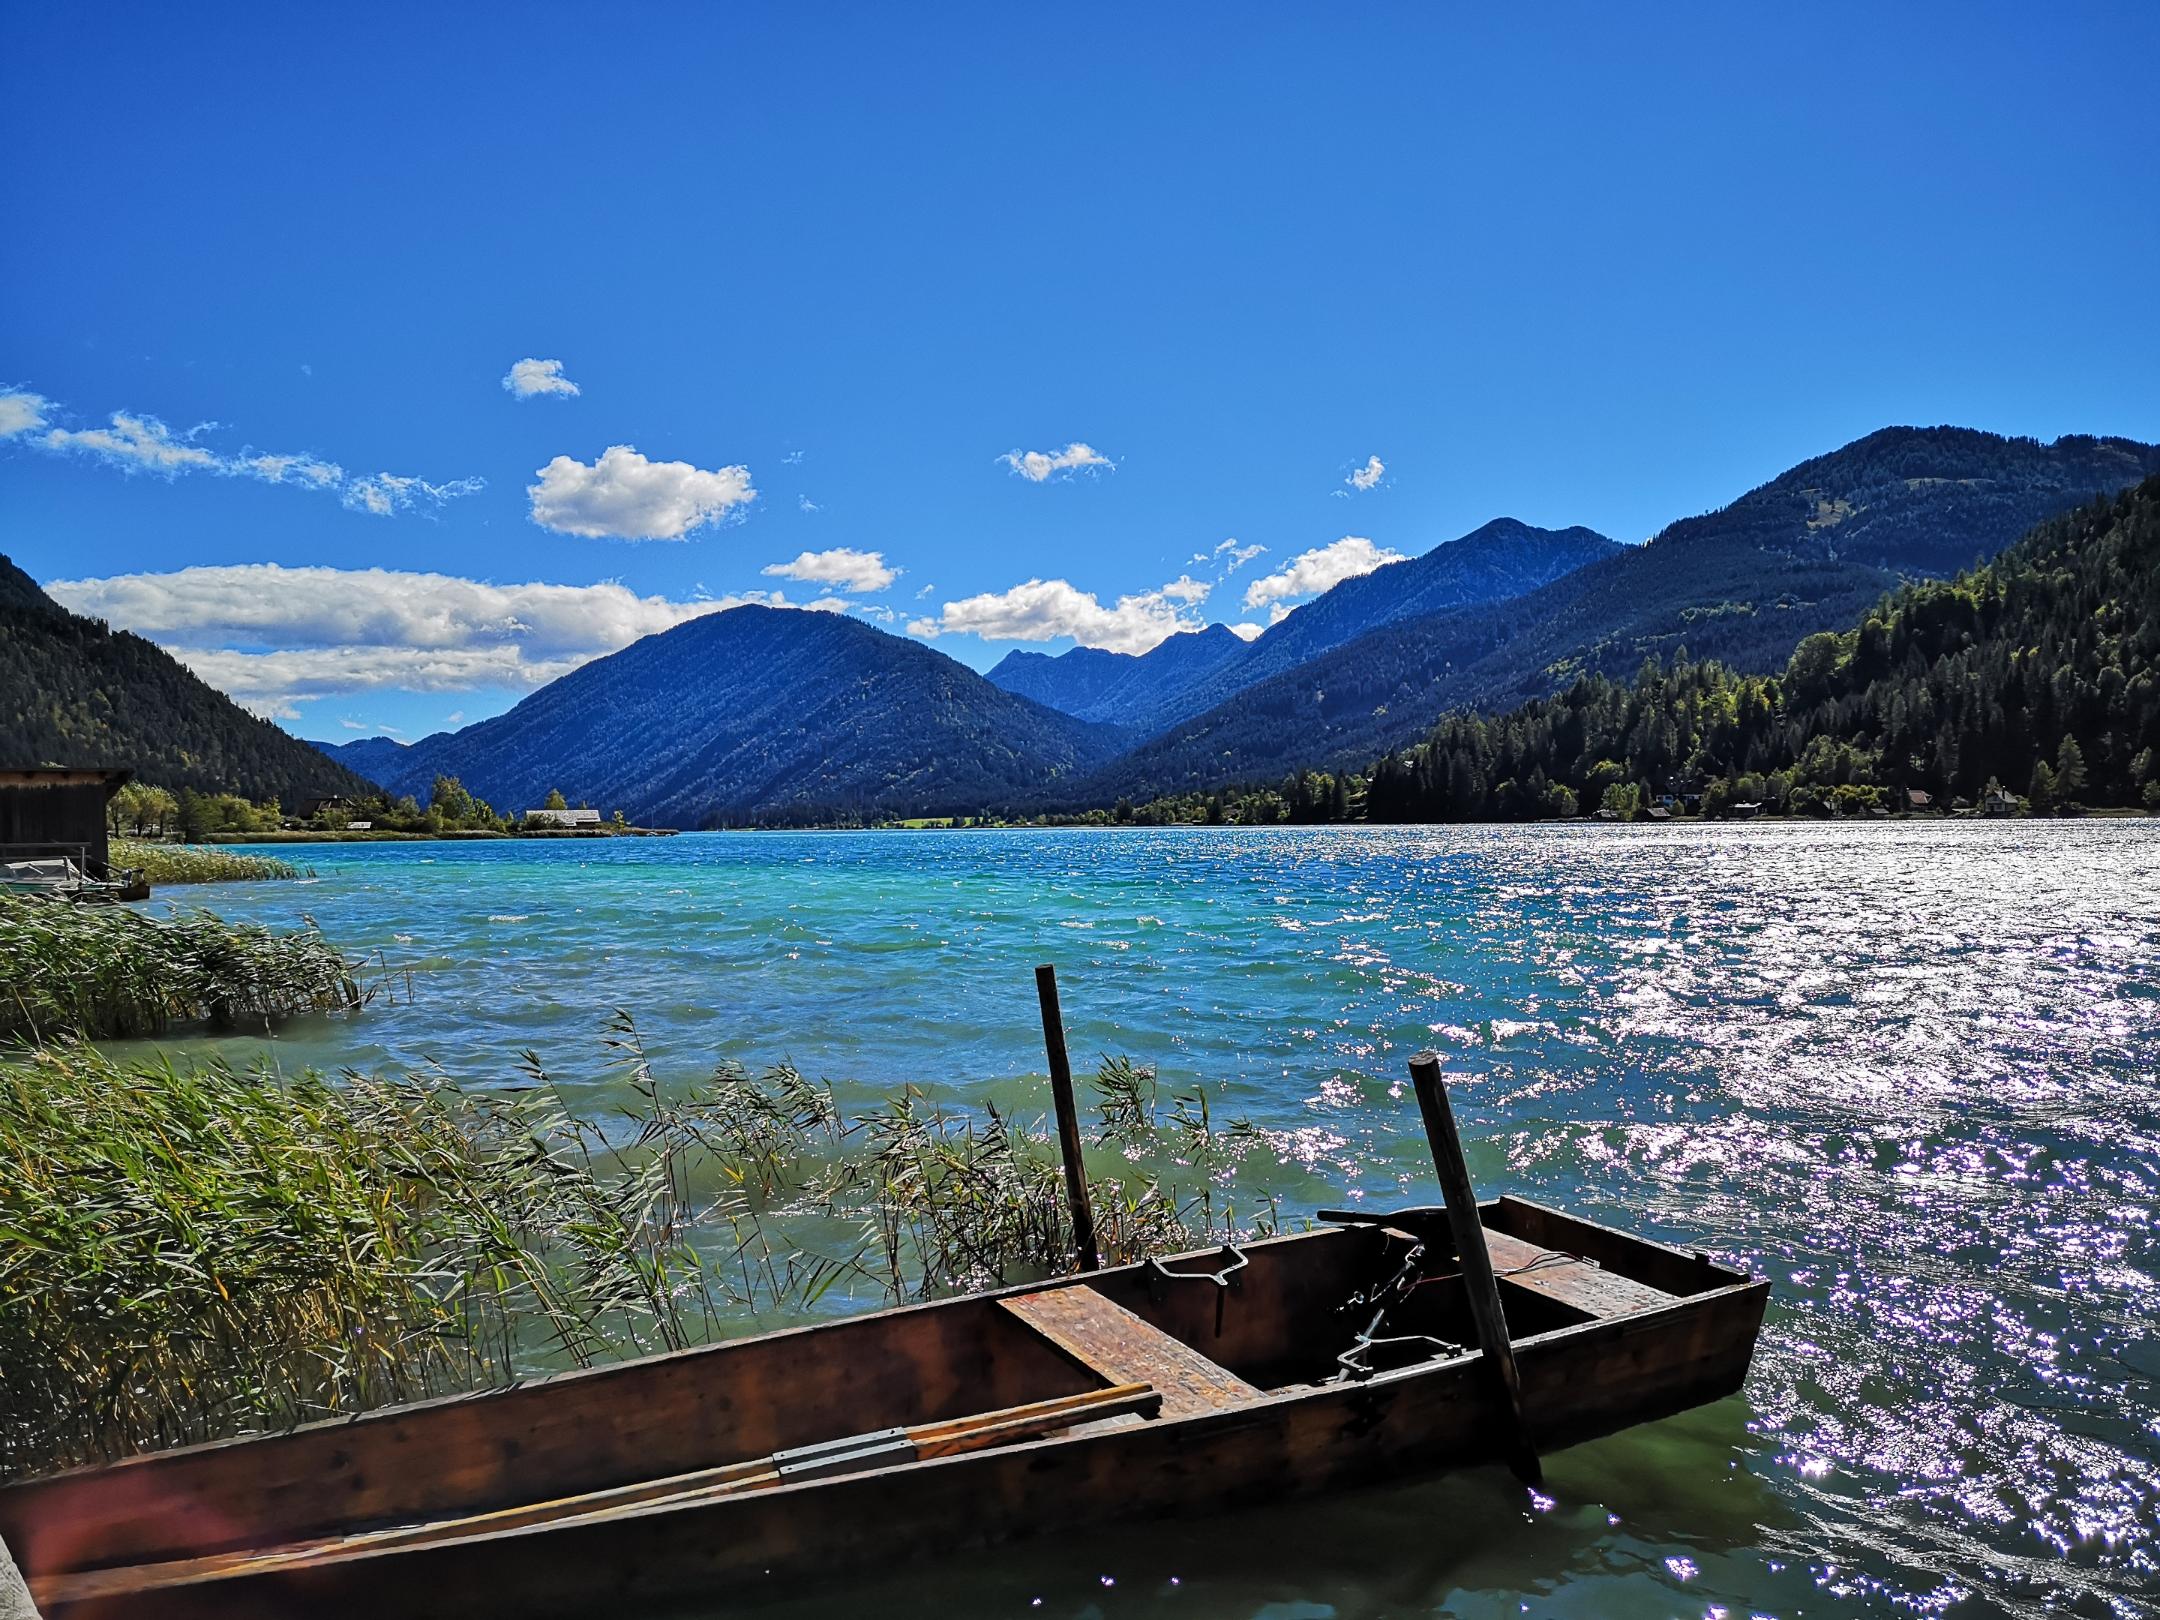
(1190, 674)
(1808, 551)
(774, 715)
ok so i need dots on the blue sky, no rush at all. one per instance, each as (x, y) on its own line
(819, 270)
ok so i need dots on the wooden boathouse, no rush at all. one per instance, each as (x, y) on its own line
(57, 810)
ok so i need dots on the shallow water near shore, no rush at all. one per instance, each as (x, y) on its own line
(1909, 1072)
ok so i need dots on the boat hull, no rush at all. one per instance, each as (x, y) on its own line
(1580, 1379)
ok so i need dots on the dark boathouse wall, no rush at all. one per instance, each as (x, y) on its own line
(56, 812)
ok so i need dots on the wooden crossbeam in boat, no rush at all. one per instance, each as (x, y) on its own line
(1570, 1279)
(1104, 1336)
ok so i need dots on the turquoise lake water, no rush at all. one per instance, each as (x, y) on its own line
(1910, 1072)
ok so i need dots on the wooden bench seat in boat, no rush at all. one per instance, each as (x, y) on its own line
(1107, 1338)
(1570, 1280)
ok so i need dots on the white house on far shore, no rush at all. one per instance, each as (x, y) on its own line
(562, 818)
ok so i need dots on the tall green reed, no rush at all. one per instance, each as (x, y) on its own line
(194, 863)
(193, 1251)
(105, 971)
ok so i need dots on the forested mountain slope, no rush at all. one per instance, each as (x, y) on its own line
(2039, 671)
(763, 714)
(73, 692)
(1743, 585)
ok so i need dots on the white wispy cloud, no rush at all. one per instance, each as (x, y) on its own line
(532, 379)
(308, 471)
(805, 503)
(136, 442)
(386, 494)
(1229, 557)
(21, 411)
(1320, 569)
(842, 568)
(1038, 465)
(1367, 476)
(1045, 609)
(623, 496)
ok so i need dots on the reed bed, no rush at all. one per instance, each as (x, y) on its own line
(195, 1251)
(193, 863)
(108, 971)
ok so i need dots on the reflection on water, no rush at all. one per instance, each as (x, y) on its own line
(1909, 1072)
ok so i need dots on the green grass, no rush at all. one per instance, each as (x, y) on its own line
(191, 863)
(193, 1252)
(103, 971)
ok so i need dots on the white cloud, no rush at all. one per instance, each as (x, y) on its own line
(1367, 476)
(805, 503)
(273, 636)
(792, 459)
(841, 568)
(1045, 609)
(386, 494)
(623, 496)
(1245, 632)
(21, 412)
(1037, 465)
(135, 442)
(1319, 570)
(308, 471)
(530, 379)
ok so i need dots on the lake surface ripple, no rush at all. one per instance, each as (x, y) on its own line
(1909, 1072)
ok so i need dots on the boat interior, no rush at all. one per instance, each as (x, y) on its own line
(1162, 1340)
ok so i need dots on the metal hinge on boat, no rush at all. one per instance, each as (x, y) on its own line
(847, 1455)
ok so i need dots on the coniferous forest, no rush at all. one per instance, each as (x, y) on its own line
(2038, 674)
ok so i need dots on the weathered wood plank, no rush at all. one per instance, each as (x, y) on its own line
(1127, 1350)
(1572, 1281)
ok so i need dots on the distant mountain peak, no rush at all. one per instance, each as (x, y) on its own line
(762, 714)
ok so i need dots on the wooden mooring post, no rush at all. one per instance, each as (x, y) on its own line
(1068, 1120)
(1468, 1228)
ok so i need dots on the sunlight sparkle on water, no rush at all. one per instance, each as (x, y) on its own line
(1910, 1071)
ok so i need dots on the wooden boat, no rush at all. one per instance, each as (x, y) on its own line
(1290, 1366)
